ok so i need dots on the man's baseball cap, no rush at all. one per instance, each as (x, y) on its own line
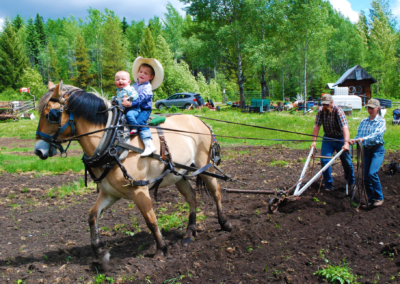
(374, 103)
(327, 99)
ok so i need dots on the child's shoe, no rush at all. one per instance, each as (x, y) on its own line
(133, 131)
(149, 147)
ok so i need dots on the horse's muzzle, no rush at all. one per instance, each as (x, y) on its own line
(44, 150)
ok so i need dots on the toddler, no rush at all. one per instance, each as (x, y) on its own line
(126, 96)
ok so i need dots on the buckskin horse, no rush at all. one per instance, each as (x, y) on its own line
(67, 111)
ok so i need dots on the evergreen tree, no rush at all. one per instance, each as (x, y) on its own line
(40, 30)
(114, 53)
(12, 58)
(124, 25)
(147, 47)
(83, 78)
(53, 65)
(17, 22)
(32, 43)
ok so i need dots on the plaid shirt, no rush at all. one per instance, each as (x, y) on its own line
(371, 131)
(332, 122)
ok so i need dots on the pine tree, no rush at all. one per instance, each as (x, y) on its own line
(17, 22)
(53, 65)
(124, 25)
(40, 30)
(82, 64)
(147, 47)
(114, 53)
(12, 58)
(32, 43)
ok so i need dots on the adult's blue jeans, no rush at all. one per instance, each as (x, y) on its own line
(132, 115)
(144, 132)
(373, 158)
(327, 149)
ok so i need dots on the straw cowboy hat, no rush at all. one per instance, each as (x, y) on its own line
(158, 70)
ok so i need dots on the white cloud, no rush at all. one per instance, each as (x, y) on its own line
(396, 9)
(344, 6)
(1, 24)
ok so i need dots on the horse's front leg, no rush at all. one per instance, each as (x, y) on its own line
(103, 202)
(142, 199)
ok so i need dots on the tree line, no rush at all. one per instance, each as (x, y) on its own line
(276, 47)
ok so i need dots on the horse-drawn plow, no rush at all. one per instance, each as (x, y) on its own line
(293, 193)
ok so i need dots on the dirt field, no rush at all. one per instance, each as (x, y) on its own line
(46, 239)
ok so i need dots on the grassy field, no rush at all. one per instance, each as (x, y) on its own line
(25, 129)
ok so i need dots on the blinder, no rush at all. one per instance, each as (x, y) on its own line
(54, 115)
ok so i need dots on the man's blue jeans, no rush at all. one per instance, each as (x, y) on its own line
(327, 149)
(144, 132)
(373, 158)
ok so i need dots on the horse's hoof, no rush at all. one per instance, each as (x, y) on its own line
(187, 241)
(227, 226)
(160, 254)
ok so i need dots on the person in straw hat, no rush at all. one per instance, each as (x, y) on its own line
(370, 134)
(148, 74)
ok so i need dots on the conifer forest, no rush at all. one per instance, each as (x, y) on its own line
(276, 48)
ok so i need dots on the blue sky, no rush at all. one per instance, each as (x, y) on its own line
(351, 8)
(138, 9)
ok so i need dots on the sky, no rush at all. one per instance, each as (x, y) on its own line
(138, 10)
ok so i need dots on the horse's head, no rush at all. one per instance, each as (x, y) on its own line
(55, 122)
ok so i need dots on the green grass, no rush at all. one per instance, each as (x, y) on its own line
(77, 187)
(15, 164)
(24, 128)
(176, 218)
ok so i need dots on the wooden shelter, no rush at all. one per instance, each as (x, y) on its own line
(358, 81)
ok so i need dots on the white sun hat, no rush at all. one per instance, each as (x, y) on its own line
(158, 70)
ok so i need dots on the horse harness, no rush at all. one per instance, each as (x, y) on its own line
(117, 145)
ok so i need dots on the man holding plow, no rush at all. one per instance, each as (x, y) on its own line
(336, 137)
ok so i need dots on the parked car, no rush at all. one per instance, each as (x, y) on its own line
(181, 100)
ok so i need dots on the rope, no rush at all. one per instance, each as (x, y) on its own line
(267, 128)
(184, 131)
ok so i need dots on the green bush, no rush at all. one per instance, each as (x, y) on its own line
(11, 95)
(337, 274)
(173, 109)
(32, 79)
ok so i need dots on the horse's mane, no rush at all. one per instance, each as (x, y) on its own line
(82, 104)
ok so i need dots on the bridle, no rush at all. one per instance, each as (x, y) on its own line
(54, 116)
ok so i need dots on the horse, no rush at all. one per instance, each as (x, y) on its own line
(82, 113)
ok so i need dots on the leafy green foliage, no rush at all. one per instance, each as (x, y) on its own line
(32, 79)
(147, 48)
(337, 274)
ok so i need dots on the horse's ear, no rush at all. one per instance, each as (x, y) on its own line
(57, 91)
(50, 85)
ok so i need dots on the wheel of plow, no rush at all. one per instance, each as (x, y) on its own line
(273, 205)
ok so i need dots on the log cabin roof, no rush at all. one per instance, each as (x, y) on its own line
(356, 73)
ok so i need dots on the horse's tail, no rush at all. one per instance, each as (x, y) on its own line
(201, 186)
